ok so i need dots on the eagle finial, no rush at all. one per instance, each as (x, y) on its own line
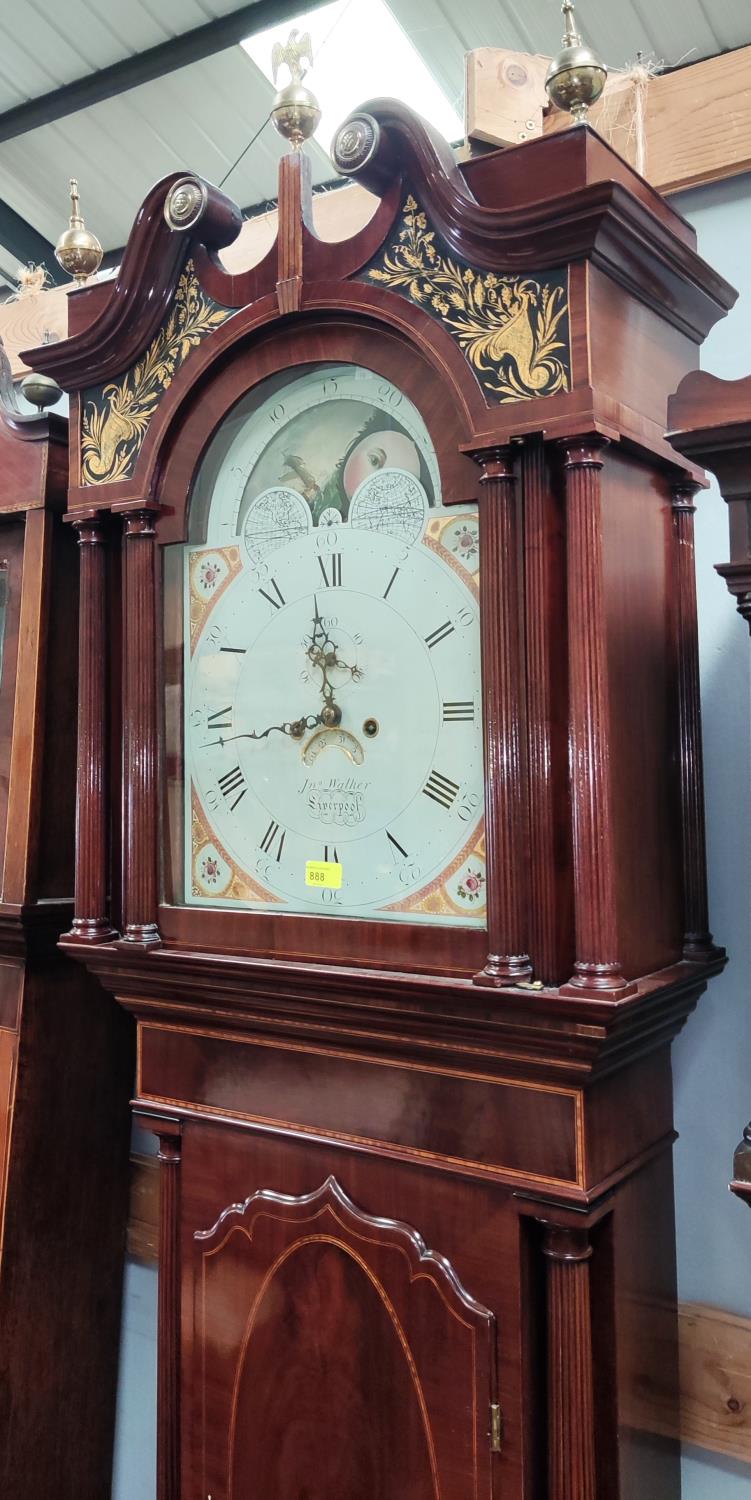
(296, 49)
(295, 111)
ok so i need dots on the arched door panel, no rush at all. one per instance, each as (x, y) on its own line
(339, 1358)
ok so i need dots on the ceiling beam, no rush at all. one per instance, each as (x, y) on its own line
(179, 52)
(27, 244)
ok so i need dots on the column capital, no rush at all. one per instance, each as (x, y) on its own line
(496, 461)
(684, 496)
(583, 452)
(89, 526)
(170, 1148)
(138, 523)
(565, 1242)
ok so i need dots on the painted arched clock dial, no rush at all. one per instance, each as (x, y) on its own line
(332, 664)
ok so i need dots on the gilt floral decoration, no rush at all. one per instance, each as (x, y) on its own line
(512, 329)
(116, 416)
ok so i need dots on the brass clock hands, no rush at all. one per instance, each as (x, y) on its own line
(323, 653)
(296, 728)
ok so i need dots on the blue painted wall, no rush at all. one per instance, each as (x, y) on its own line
(712, 1059)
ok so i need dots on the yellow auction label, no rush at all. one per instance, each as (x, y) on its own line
(323, 873)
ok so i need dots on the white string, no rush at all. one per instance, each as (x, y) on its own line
(622, 127)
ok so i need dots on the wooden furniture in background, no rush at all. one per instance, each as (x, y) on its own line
(65, 1055)
(419, 1176)
(710, 422)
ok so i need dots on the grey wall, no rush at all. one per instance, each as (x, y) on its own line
(135, 1439)
(712, 1059)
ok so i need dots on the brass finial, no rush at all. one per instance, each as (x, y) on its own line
(576, 77)
(78, 251)
(295, 111)
(41, 390)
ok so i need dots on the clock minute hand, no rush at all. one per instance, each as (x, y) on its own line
(295, 728)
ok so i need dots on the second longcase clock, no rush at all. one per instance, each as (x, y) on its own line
(65, 1054)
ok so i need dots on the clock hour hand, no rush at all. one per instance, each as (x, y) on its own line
(295, 728)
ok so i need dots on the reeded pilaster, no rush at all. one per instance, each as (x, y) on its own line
(571, 1449)
(90, 922)
(140, 730)
(502, 690)
(596, 967)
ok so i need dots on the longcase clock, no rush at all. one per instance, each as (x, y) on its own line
(65, 1055)
(710, 421)
(411, 826)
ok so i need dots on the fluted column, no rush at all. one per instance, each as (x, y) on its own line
(502, 678)
(90, 922)
(697, 940)
(596, 966)
(571, 1443)
(168, 1370)
(546, 697)
(140, 831)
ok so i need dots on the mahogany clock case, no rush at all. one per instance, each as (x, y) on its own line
(419, 1177)
(65, 1054)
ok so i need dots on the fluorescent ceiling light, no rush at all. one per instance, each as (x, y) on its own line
(360, 52)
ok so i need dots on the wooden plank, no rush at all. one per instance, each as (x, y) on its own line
(696, 121)
(714, 1350)
(23, 324)
(699, 122)
(505, 95)
(715, 1361)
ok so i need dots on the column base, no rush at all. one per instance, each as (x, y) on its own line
(140, 935)
(699, 948)
(503, 969)
(90, 930)
(598, 979)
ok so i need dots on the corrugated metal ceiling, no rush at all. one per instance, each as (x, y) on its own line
(47, 43)
(202, 116)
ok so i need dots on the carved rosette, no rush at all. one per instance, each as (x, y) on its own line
(697, 942)
(140, 893)
(596, 967)
(508, 961)
(571, 1451)
(90, 923)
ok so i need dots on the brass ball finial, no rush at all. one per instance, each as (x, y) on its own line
(78, 251)
(295, 111)
(41, 390)
(577, 76)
